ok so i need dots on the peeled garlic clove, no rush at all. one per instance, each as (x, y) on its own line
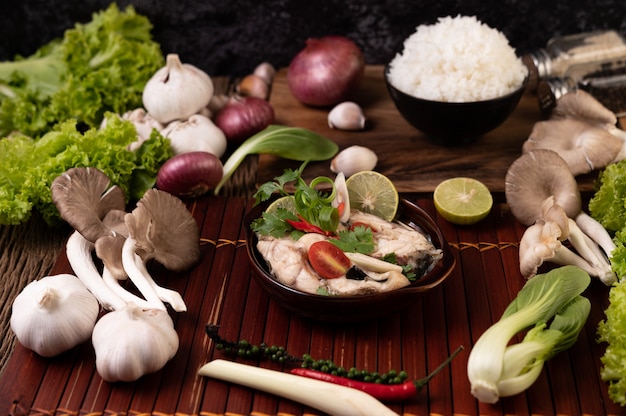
(197, 133)
(177, 91)
(346, 116)
(354, 159)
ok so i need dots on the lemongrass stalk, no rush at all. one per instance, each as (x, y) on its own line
(327, 397)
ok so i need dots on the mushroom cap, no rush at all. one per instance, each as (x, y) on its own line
(83, 196)
(163, 229)
(536, 176)
(583, 146)
(581, 105)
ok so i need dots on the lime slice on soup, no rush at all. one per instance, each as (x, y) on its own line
(462, 200)
(373, 193)
(287, 202)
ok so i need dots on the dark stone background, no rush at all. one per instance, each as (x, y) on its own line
(230, 37)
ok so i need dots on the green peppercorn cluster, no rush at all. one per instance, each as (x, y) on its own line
(328, 366)
(245, 349)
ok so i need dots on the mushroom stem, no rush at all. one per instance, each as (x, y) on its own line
(137, 276)
(564, 256)
(79, 256)
(540, 243)
(166, 295)
(596, 232)
(114, 284)
(590, 251)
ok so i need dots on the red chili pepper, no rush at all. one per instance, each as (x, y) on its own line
(307, 227)
(386, 392)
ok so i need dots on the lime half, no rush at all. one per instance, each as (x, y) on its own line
(462, 201)
(374, 193)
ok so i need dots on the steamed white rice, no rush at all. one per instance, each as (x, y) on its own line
(457, 59)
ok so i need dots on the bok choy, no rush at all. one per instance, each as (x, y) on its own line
(551, 308)
(293, 143)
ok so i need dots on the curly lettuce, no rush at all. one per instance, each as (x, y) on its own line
(611, 331)
(96, 67)
(608, 206)
(28, 166)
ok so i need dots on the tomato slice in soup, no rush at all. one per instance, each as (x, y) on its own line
(328, 260)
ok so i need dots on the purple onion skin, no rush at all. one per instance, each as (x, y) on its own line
(326, 71)
(189, 175)
(244, 116)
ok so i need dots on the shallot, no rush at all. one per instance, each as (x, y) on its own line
(326, 71)
(242, 117)
(190, 174)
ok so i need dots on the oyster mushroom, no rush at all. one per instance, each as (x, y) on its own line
(542, 242)
(160, 228)
(83, 196)
(538, 185)
(583, 146)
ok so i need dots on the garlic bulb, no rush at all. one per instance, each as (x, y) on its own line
(177, 91)
(54, 314)
(354, 159)
(197, 133)
(346, 116)
(144, 124)
(131, 342)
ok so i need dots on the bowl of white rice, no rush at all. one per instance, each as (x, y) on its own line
(456, 80)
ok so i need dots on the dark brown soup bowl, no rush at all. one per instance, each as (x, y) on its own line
(353, 308)
(454, 123)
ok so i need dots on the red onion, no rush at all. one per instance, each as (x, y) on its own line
(326, 71)
(242, 117)
(189, 175)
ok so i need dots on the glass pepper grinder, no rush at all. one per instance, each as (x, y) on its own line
(605, 81)
(562, 52)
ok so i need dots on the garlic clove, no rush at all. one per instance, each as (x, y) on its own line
(254, 86)
(197, 133)
(177, 91)
(354, 159)
(347, 115)
(266, 71)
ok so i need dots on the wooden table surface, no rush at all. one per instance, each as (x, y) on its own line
(413, 161)
(220, 291)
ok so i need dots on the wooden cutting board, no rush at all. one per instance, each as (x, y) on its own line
(413, 161)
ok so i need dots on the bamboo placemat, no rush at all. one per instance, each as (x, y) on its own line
(30, 250)
(220, 291)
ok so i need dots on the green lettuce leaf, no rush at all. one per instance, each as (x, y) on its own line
(96, 67)
(28, 167)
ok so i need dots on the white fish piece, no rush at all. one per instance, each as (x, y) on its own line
(287, 260)
(409, 245)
